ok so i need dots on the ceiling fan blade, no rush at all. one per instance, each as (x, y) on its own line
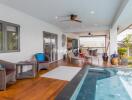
(78, 21)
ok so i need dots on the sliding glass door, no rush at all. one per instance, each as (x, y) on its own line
(50, 45)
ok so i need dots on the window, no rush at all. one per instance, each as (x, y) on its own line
(95, 41)
(9, 37)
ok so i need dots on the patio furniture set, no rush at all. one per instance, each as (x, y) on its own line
(85, 57)
(9, 72)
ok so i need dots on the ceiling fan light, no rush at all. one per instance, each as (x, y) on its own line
(92, 12)
(56, 17)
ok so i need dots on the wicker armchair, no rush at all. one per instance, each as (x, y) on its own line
(42, 61)
(7, 74)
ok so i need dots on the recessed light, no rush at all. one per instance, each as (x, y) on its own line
(56, 17)
(92, 12)
(95, 24)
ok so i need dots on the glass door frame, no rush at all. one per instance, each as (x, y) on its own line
(51, 35)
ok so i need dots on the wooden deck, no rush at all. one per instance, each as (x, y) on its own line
(39, 88)
(35, 89)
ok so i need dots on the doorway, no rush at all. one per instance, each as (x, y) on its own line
(50, 45)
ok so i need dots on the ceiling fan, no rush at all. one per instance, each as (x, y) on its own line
(90, 34)
(73, 17)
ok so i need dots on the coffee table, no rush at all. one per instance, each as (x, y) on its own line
(20, 74)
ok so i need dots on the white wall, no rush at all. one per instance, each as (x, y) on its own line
(72, 35)
(31, 36)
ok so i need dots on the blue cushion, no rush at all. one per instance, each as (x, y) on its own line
(40, 57)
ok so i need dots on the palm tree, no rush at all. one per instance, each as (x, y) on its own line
(127, 42)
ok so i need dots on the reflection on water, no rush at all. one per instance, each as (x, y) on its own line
(106, 84)
(124, 73)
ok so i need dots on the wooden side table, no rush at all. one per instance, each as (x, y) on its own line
(28, 74)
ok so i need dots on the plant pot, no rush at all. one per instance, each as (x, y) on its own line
(114, 61)
(124, 61)
(105, 57)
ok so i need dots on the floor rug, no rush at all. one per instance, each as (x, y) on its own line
(62, 73)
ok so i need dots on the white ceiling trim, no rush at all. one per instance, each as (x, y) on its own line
(92, 29)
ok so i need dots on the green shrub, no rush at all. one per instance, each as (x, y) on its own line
(130, 58)
(122, 51)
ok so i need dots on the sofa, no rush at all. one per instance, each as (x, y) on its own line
(7, 74)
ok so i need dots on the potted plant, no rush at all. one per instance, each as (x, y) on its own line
(127, 42)
(114, 59)
(105, 55)
(123, 56)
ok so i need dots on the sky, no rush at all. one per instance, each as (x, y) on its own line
(123, 34)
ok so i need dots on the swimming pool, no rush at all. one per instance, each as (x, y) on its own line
(99, 84)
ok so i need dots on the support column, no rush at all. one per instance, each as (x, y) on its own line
(113, 40)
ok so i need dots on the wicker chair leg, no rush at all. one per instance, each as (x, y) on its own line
(2, 80)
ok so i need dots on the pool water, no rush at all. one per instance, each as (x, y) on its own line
(111, 89)
(105, 84)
